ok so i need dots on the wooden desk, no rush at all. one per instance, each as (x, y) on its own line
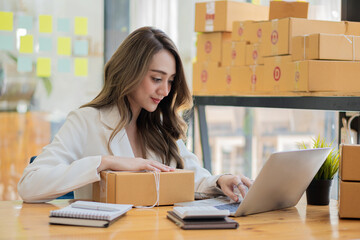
(30, 221)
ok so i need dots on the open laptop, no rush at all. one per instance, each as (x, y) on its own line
(280, 183)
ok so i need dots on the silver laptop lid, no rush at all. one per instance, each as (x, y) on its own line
(282, 180)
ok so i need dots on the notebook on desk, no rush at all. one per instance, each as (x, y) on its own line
(280, 184)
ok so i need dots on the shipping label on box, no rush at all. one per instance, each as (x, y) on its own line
(239, 30)
(278, 34)
(233, 54)
(349, 199)
(276, 74)
(139, 188)
(209, 46)
(350, 162)
(253, 55)
(326, 47)
(219, 15)
(204, 79)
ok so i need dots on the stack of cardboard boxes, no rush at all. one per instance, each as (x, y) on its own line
(219, 54)
(349, 197)
(275, 56)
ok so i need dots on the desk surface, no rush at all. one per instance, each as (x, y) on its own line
(30, 221)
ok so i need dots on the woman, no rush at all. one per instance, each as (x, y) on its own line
(133, 124)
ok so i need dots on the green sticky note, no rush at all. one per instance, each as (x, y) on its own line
(25, 22)
(26, 44)
(45, 24)
(43, 67)
(81, 25)
(81, 67)
(64, 65)
(24, 64)
(45, 44)
(64, 46)
(6, 21)
(7, 42)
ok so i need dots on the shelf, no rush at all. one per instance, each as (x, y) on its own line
(340, 103)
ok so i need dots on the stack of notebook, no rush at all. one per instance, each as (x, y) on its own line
(91, 214)
(201, 218)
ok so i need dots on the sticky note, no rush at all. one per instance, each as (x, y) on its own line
(7, 42)
(43, 67)
(25, 22)
(6, 21)
(24, 64)
(26, 44)
(63, 25)
(81, 47)
(45, 44)
(45, 24)
(64, 65)
(81, 67)
(64, 46)
(81, 25)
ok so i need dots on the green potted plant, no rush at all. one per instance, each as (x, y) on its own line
(318, 191)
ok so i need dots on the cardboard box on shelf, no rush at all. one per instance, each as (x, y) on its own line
(324, 76)
(279, 33)
(139, 188)
(216, 16)
(253, 55)
(239, 30)
(352, 28)
(349, 198)
(276, 73)
(326, 46)
(282, 9)
(204, 79)
(233, 54)
(349, 162)
(226, 84)
(250, 78)
(254, 32)
(209, 46)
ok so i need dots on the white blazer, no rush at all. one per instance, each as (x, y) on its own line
(70, 162)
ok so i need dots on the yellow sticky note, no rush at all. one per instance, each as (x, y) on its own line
(81, 67)
(26, 44)
(64, 46)
(6, 21)
(81, 25)
(43, 67)
(45, 24)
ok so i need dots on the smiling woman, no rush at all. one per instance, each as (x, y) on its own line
(132, 125)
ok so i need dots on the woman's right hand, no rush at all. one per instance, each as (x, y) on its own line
(131, 164)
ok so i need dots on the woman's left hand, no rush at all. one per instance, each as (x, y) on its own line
(228, 182)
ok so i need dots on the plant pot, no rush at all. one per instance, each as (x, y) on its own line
(318, 192)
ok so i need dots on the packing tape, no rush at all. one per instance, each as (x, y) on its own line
(210, 16)
(157, 186)
(233, 48)
(274, 47)
(253, 73)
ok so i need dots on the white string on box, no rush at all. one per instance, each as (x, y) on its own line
(352, 42)
(157, 186)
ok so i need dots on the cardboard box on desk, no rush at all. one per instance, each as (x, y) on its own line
(282, 9)
(204, 79)
(209, 46)
(324, 76)
(139, 189)
(278, 34)
(233, 53)
(350, 163)
(326, 46)
(349, 199)
(216, 16)
(276, 74)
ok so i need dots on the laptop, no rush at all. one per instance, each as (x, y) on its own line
(280, 184)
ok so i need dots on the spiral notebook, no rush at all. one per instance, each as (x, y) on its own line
(92, 214)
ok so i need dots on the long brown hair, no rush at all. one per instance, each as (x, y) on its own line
(123, 74)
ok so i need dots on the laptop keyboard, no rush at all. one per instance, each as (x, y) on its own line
(232, 207)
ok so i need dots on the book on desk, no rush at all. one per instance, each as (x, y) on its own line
(90, 214)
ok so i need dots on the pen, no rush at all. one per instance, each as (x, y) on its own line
(92, 206)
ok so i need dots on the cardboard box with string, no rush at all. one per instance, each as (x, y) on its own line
(144, 188)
